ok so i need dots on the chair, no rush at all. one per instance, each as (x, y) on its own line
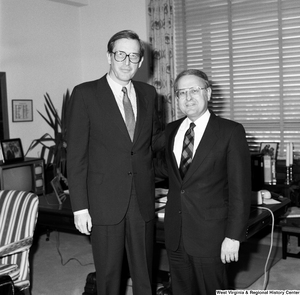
(18, 216)
(6, 285)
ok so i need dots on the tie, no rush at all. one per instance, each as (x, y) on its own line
(187, 150)
(129, 116)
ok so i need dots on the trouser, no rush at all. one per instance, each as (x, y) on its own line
(196, 275)
(135, 236)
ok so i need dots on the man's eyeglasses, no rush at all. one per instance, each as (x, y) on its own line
(192, 91)
(121, 56)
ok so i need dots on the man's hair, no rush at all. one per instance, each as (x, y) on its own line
(192, 72)
(127, 34)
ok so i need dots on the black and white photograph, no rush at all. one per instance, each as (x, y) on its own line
(269, 148)
(12, 150)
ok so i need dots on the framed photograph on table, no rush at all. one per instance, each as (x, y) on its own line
(22, 110)
(269, 148)
(58, 190)
(12, 150)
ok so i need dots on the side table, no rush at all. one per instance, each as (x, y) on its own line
(55, 216)
(290, 227)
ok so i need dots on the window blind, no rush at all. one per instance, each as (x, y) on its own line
(251, 52)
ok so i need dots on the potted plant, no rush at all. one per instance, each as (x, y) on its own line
(56, 145)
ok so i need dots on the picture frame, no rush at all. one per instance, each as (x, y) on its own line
(22, 110)
(12, 150)
(269, 148)
(58, 190)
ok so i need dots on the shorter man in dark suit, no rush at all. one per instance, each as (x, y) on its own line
(208, 165)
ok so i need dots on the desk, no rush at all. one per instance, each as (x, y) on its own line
(259, 218)
(52, 216)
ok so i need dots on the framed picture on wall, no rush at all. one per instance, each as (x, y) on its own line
(22, 110)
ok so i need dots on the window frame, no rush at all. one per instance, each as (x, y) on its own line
(251, 52)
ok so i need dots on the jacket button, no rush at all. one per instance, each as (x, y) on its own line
(179, 211)
(129, 173)
(132, 153)
(183, 191)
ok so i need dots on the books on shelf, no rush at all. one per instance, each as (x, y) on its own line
(269, 170)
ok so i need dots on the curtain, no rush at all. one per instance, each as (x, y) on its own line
(161, 40)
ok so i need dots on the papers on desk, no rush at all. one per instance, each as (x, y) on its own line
(160, 192)
(161, 213)
(270, 201)
(161, 197)
(264, 197)
(292, 212)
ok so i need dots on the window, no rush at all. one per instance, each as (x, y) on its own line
(251, 52)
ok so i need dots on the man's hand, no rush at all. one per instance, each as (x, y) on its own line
(83, 222)
(230, 250)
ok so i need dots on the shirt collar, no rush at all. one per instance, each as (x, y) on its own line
(201, 121)
(116, 87)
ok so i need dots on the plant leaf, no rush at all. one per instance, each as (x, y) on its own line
(56, 152)
(52, 108)
(45, 138)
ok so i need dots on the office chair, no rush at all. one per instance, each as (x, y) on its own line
(18, 216)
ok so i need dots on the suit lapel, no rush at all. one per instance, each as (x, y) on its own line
(173, 161)
(105, 97)
(142, 104)
(206, 144)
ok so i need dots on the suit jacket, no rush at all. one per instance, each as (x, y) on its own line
(102, 160)
(213, 200)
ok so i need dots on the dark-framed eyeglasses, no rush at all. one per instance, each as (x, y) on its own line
(194, 91)
(120, 56)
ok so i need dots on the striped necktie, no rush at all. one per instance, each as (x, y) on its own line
(129, 115)
(187, 150)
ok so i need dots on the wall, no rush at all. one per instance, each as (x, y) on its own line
(97, 28)
(48, 46)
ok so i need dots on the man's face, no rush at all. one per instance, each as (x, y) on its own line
(122, 72)
(193, 105)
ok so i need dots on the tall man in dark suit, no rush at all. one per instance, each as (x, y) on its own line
(208, 165)
(112, 132)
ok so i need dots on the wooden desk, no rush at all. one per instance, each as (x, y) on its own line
(259, 218)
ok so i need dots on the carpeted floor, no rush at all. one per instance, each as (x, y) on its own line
(60, 266)
(251, 264)
(284, 274)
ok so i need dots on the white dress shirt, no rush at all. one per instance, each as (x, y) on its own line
(199, 129)
(118, 93)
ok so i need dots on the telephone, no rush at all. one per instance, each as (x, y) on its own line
(257, 198)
